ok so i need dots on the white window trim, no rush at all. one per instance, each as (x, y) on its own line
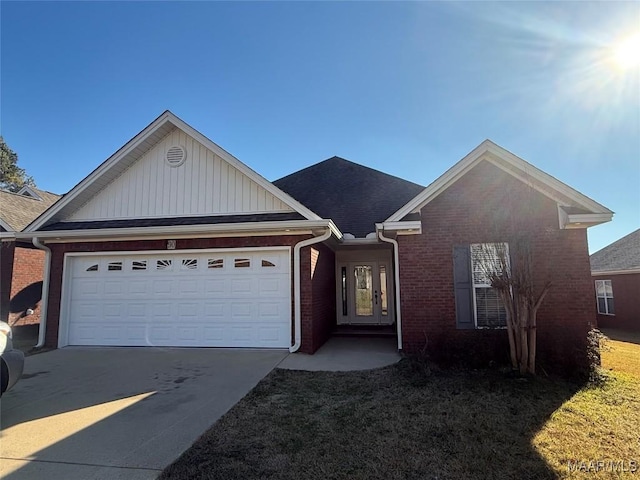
(598, 297)
(475, 285)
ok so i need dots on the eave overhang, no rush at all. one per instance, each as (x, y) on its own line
(572, 221)
(407, 227)
(293, 227)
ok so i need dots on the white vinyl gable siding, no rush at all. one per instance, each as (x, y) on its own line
(204, 185)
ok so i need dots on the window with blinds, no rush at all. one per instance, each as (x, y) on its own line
(486, 259)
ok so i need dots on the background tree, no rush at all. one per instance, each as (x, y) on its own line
(12, 177)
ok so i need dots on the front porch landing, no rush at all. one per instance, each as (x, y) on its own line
(340, 354)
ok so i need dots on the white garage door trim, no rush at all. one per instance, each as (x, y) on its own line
(277, 336)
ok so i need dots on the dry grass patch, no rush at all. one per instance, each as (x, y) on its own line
(395, 423)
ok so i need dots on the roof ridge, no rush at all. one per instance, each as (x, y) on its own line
(336, 157)
(20, 195)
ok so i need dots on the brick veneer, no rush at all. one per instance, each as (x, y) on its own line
(7, 254)
(626, 290)
(488, 205)
(26, 286)
(318, 299)
(311, 285)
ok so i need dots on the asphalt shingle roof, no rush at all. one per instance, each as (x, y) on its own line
(353, 196)
(623, 254)
(20, 210)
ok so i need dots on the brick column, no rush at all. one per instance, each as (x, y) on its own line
(7, 250)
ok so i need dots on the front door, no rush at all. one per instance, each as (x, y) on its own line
(368, 283)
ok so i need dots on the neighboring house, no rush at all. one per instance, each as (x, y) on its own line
(22, 264)
(172, 241)
(616, 272)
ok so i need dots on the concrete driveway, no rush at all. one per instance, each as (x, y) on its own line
(110, 413)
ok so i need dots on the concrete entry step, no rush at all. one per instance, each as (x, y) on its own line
(364, 331)
(346, 354)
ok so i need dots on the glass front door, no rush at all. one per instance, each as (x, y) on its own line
(369, 288)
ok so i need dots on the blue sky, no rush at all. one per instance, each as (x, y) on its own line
(406, 88)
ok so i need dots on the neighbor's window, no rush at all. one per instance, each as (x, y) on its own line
(487, 259)
(604, 295)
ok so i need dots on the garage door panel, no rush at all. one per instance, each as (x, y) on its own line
(87, 289)
(138, 287)
(214, 287)
(220, 299)
(161, 287)
(113, 288)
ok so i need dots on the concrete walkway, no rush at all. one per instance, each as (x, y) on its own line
(346, 353)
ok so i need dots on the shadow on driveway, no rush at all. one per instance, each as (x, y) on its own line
(119, 412)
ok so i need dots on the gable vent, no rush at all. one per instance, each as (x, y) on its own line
(176, 156)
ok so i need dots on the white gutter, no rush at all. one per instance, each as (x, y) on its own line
(296, 285)
(203, 229)
(396, 273)
(44, 302)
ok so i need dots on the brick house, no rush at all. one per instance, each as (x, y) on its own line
(172, 241)
(21, 263)
(616, 274)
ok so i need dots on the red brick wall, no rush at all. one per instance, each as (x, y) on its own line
(7, 253)
(626, 300)
(58, 251)
(486, 205)
(318, 296)
(26, 286)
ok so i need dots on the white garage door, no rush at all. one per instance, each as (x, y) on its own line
(239, 298)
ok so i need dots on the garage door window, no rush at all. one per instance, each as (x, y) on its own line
(163, 265)
(242, 263)
(114, 266)
(93, 268)
(139, 265)
(189, 264)
(215, 263)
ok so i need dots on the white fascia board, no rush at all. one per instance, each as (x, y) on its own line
(534, 172)
(293, 227)
(485, 151)
(359, 241)
(615, 272)
(585, 220)
(443, 182)
(7, 236)
(413, 227)
(99, 171)
(256, 177)
(6, 226)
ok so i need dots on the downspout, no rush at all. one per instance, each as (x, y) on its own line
(44, 302)
(396, 274)
(296, 285)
